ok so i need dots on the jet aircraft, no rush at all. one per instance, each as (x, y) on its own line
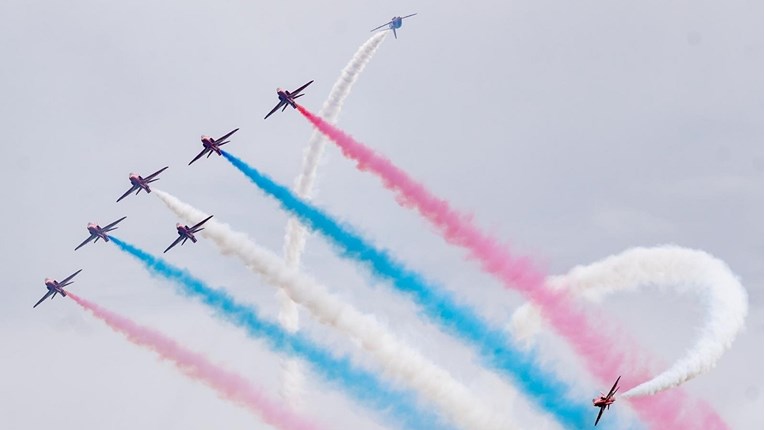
(98, 232)
(394, 23)
(605, 402)
(185, 232)
(287, 98)
(55, 287)
(140, 183)
(213, 145)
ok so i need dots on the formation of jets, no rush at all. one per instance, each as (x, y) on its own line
(210, 146)
(605, 402)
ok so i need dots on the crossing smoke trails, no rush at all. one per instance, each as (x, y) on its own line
(399, 360)
(686, 271)
(295, 236)
(360, 384)
(541, 385)
(603, 355)
(230, 386)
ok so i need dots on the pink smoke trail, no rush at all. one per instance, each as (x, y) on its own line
(229, 385)
(604, 356)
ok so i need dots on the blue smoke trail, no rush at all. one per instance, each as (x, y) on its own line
(362, 385)
(541, 385)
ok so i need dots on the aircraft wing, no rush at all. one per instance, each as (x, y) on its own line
(226, 135)
(198, 156)
(108, 226)
(275, 109)
(194, 227)
(408, 16)
(600, 413)
(156, 173)
(614, 388)
(384, 25)
(127, 193)
(302, 88)
(85, 241)
(43, 298)
(69, 278)
(180, 238)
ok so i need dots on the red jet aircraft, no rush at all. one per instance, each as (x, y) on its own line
(287, 98)
(605, 402)
(98, 232)
(213, 145)
(140, 183)
(55, 287)
(185, 232)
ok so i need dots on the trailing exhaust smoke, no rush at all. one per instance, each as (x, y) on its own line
(295, 235)
(362, 385)
(229, 385)
(399, 360)
(541, 384)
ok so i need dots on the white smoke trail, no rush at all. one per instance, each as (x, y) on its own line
(295, 236)
(667, 267)
(400, 361)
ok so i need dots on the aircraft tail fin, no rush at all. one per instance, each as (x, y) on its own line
(394, 33)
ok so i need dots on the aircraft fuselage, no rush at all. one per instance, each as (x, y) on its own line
(603, 401)
(54, 287)
(186, 232)
(209, 144)
(395, 22)
(97, 231)
(137, 181)
(286, 97)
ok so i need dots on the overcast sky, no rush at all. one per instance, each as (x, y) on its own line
(571, 130)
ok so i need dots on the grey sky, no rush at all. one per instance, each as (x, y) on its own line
(572, 130)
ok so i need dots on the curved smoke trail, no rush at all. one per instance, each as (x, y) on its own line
(407, 365)
(542, 385)
(685, 271)
(604, 356)
(229, 385)
(295, 236)
(364, 386)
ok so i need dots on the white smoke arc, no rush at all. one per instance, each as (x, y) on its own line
(668, 267)
(295, 236)
(400, 361)
(296, 233)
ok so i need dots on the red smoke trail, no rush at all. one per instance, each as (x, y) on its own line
(604, 356)
(229, 385)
